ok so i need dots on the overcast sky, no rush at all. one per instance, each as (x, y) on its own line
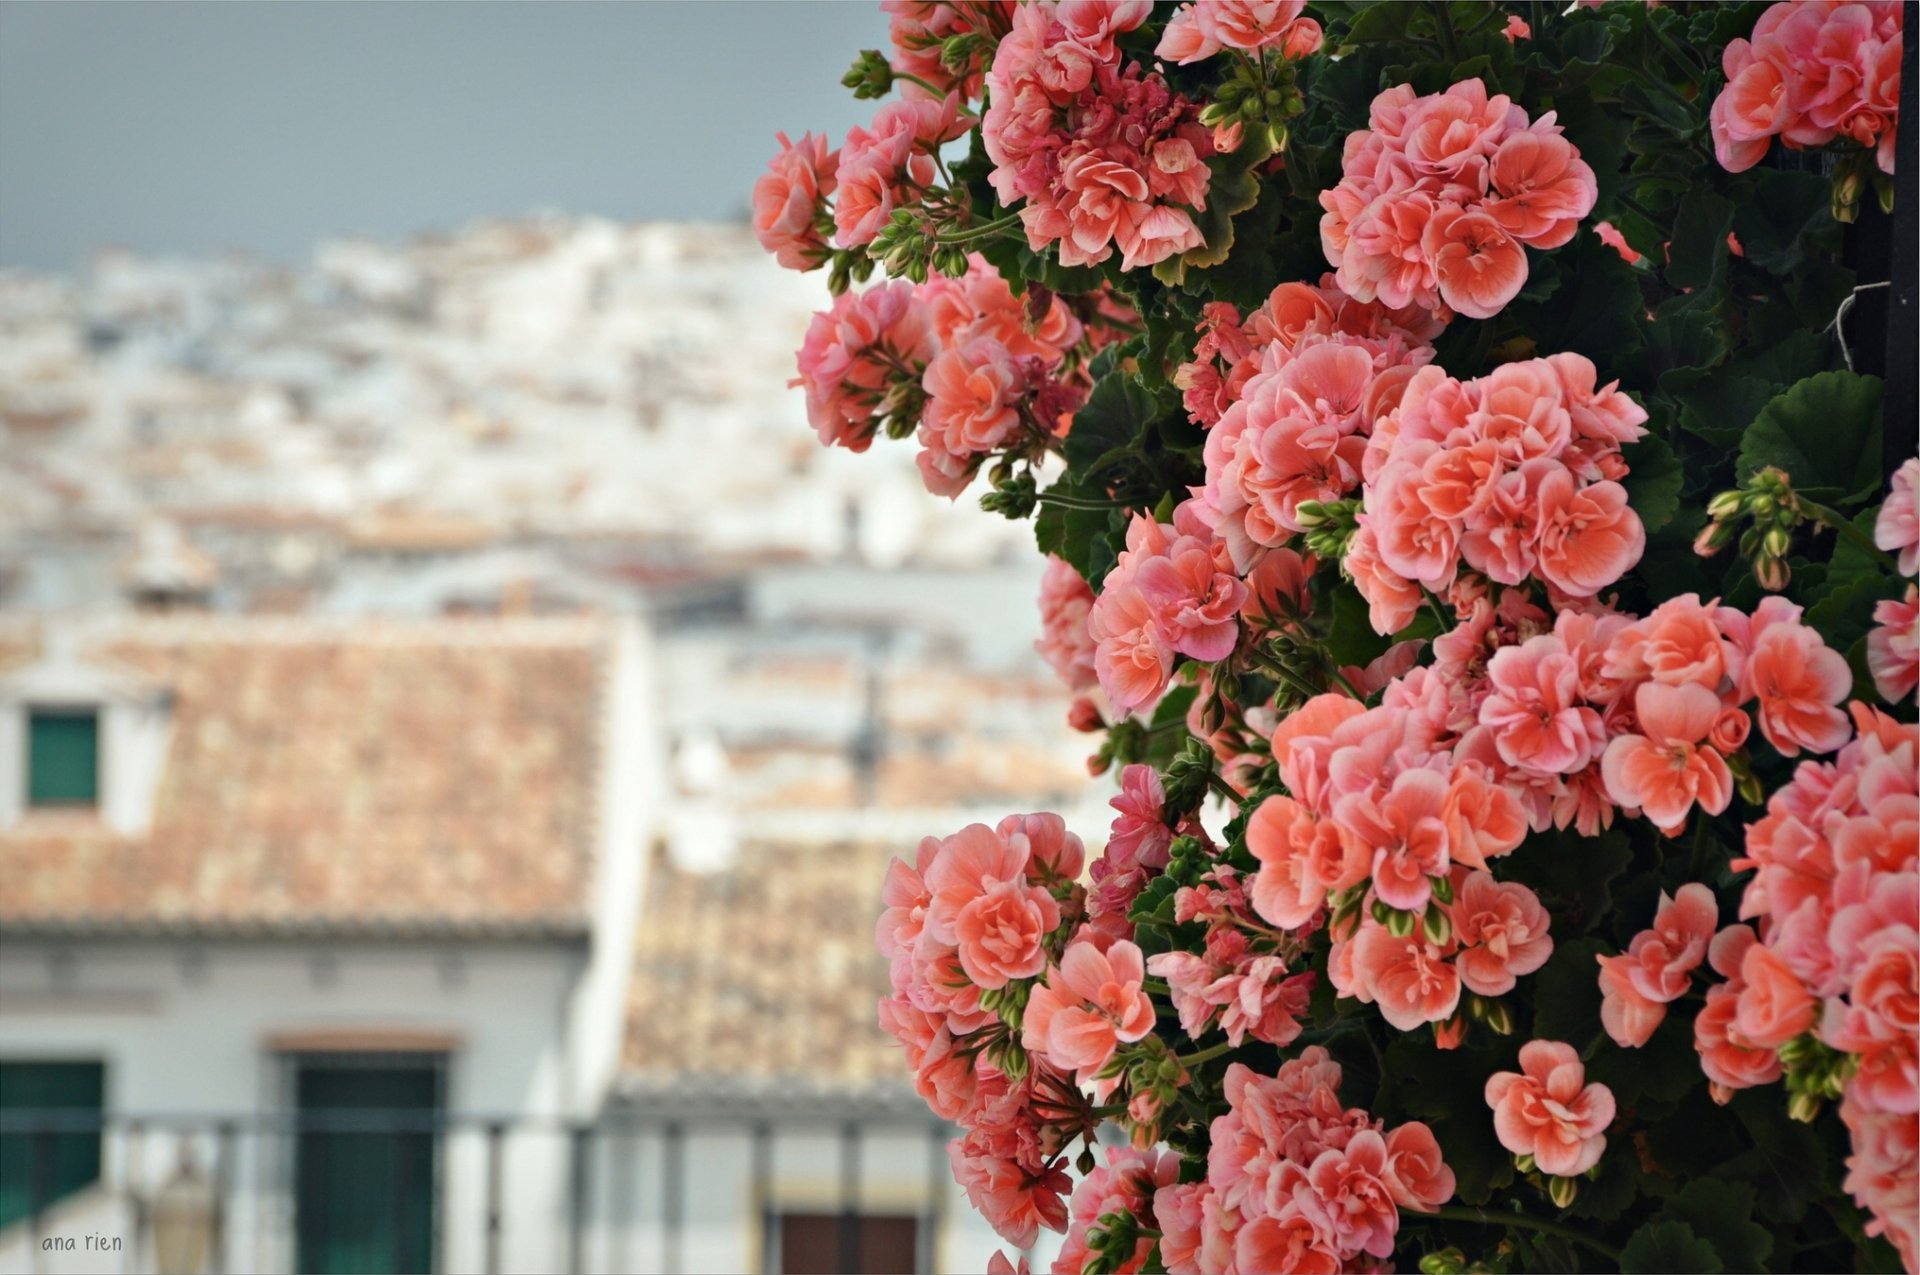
(195, 128)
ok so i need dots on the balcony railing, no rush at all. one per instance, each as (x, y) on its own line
(668, 1187)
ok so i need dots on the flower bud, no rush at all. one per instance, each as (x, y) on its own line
(1442, 888)
(1562, 1191)
(1712, 538)
(1400, 924)
(1771, 573)
(1499, 1018)
(1524, 1163)
(870, 76)
(1724, 506)
(1448, 1261)
(1776, 542)
(1436, 926)
(1084, 716)
(1803, 1107)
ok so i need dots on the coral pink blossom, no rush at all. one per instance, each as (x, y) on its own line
(1408, 977)
(1534, 709)
(1344, 1194)
(1404, 832)
(983, 905)
(1126, 1184)
(1132, 657)
(1285, 1242)
(1477, 264)
(1502, 931)
(1666, 771)
(849, 359)
(1065, 600)
(1893, 646)
(1089, 1006)
(1589, 537)
(789, 199)
(1800, 682)
(1198, 31)
(1548, 1111)
(1896, 529)
(1417, 1177)
(1657, 966)
(1774, 1006)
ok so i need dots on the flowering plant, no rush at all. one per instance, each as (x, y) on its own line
(1470, 534)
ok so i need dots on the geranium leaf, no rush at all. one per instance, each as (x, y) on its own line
(1668, 1248)
(1825, 433)
(1653, 482)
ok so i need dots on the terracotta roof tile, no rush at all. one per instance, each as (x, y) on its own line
(367, 775)
(766, 972)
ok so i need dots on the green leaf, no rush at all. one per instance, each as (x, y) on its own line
(1113, 422)
(1653, 482)
(1593, 311)
(1825, 433)
(1575, 871)
(1668, 1248)
(1566, 993)
(1350, 638)
(1721, 1213)
(1699, 248)
(1788, 219)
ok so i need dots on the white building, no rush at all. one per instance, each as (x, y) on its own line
(259, 872)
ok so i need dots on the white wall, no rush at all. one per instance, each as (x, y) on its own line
(184, 1030)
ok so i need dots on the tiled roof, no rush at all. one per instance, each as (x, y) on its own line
(765, 973)
(383, 777)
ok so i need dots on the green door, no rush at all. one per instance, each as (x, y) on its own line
(365, 1194)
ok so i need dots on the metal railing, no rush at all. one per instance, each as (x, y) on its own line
(268, 1192)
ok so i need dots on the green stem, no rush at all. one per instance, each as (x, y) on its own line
(1848, 532)
(982, 231)
(914, 79)
(1488, 1217)
(1443, 27)
(1074, 502)
(1156, 986)
(1634, 205)
(1205, 1055)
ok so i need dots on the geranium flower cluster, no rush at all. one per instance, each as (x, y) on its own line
(1296, 1181)
(812, 198)
(1811, 73)
(1231, 350)
(928, 34)
(1893, 644)
(1511, 476)
(1173, 591)
(1246, 979)
(961, 361)
(1441, 195)
(1101, 154)
(1199, 31)
(1836, 898)
(976, 912)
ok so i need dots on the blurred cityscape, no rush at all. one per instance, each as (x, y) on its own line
(454, 718)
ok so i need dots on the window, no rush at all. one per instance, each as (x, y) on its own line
(42, 1168)
(63, 758)
(810, 1244)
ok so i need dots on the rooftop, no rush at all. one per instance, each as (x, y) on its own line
(383, 777)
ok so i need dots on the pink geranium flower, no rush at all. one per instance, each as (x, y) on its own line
(983, 904)
(1535, 711)
(1669, 769)
(1090, 1005)
(1409, 978)
(789, 200)
(1893, 646)
(1477, 264)
(1548, 1111)
(1896, 529)
(1800, 682)
(1502, 931)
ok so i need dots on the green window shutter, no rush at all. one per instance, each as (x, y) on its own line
(63, 759)
(49, 1166)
